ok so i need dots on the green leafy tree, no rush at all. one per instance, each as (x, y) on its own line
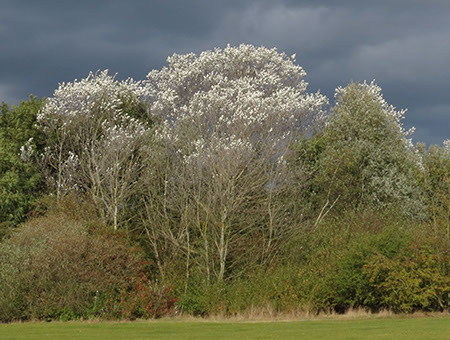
(436, 184)
(363, 157)
(19, 178)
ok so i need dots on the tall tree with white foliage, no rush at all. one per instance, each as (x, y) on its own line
(228, 117)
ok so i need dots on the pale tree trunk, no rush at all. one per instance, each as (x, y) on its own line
(222, 246)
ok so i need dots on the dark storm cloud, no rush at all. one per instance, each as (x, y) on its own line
(403, 44)
(52, 41)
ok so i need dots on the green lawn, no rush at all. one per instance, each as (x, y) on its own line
(389, 328)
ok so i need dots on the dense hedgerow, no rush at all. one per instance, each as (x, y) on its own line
(368, 260)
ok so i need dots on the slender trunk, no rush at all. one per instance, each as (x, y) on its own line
(203, 228)
(269, 242)
(152, 238)
(115, 217)
(222, 253)
(187, 258)
(206, 245)
(222, 247)
(59, 179)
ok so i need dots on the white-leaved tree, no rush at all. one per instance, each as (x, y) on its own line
(94, 141)
(228, 116)
(447, 144)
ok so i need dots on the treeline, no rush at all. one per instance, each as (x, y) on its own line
(218, 185)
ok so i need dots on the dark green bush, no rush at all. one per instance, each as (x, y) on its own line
(351, 286)
(273, 288)
(387, 271)
(20, 180)
(194, 296)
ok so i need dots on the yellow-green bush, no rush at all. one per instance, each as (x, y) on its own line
(408, 282)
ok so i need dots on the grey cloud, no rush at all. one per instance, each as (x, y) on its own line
(404, 50)
(431, 122)
(401, 43)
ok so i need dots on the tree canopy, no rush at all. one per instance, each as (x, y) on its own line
(20, 179)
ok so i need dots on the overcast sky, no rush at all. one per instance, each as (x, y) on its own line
(403, 44)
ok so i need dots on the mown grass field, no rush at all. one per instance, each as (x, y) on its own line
(372, 328)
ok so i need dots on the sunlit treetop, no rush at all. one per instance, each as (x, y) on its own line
(245, 94)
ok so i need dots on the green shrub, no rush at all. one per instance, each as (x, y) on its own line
(276, 288)
(408, 282)
(389, 270)
(317, 255)
(349, 284)
(55, 267)
(194, 296)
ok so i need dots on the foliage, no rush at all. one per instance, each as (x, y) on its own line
(351, 286)
(388, 271)
(95, 143)
(20, 181)
(368, 261)
(436, 184)
(145, 300)
(273, 289)
(408, 282)
(55, 267)
(224, 170)
(326, 257)
(363, 158)
(227, 118)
